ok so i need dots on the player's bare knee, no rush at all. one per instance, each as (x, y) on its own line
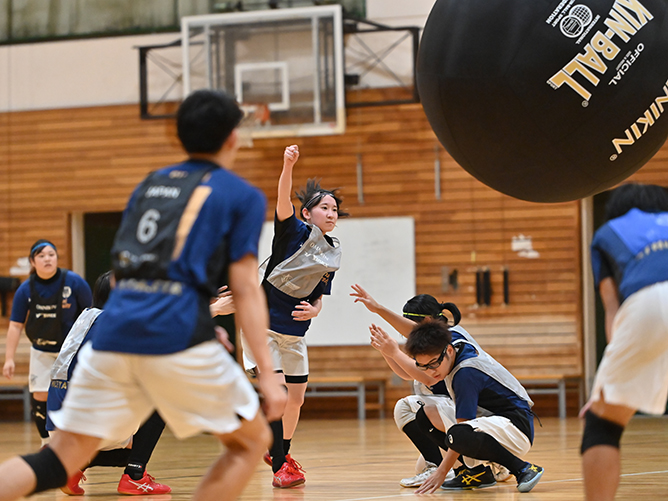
(252, 437)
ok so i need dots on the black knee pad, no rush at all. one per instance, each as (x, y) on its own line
(37, 408)
(599, 431)
(426, 426)
(464, 439)
(48, 469)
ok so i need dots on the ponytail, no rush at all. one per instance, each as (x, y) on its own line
(452, 308)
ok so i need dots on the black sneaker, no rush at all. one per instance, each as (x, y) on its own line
(529, 477)
(477, 478)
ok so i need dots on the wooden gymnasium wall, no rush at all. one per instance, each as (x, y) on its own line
(57, 162)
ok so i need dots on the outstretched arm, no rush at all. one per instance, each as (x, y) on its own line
(284, 207)
(402, 325)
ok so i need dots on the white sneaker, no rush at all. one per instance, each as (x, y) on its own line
(421, 477)
(501, 473)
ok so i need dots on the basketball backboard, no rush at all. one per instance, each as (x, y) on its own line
(284, 66)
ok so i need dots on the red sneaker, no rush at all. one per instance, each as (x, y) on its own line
(295, 465)
(267, 459)
(147, 485)
(72, 488)
(288, 476)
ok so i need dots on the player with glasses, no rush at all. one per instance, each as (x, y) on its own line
(431, 403)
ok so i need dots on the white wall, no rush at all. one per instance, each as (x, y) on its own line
(74, 73)
(399, 12)
(105, 71)
(376, 253)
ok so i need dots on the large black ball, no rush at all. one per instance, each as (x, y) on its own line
(547, 101)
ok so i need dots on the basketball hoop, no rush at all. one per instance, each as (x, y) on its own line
(256, 115)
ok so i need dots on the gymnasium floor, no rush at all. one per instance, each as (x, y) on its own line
(351, 460)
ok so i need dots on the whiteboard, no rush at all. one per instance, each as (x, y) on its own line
(379, 255)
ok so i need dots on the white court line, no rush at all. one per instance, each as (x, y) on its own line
(389, 496)
(623, 475)
(394, 496)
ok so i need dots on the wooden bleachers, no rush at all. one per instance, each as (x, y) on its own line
(543, 354)
(350, 371)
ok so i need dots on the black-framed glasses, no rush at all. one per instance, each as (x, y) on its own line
(433, 364)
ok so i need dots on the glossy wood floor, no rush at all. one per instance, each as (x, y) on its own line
(350, 460)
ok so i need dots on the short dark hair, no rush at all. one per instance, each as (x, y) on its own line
(205, 120)
(428, 338)
(101, 290)
(646, 197)
(313, 194)
(424, 306)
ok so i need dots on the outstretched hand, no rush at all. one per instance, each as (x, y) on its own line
(365, 298)
(291, 155)
(382, 341)
(433, 483)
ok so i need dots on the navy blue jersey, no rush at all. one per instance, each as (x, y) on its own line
(160, 321)
(633, 250)
(289, 236)
(77, 296)
(473, 388)
(439, 388)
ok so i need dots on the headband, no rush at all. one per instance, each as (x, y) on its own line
(406, 314)
(40, 246)
(312, 201)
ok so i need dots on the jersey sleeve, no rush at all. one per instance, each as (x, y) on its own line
(245, 231)
(467, 385)
(21, 303)
(288, 228)
(84, 295)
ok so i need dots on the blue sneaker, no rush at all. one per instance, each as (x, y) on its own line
(529, 477)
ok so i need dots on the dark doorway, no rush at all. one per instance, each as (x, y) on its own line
(599, 218)
(99, 231)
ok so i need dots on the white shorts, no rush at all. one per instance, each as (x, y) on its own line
(40, 369)
(444, 405)
(288, 353)
(198, 389)
(634, 368)
(504, 431)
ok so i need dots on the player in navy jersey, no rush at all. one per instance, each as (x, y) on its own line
(629, 256)
(409, 413)
(298, 273)
(187, 229)
(47, 304)
(474, 380)
(494, 422)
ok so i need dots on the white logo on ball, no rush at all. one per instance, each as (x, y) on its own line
(578, 18)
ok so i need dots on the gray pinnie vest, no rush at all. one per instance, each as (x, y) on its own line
(72, 343)
(299, 274)
(487, 365)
